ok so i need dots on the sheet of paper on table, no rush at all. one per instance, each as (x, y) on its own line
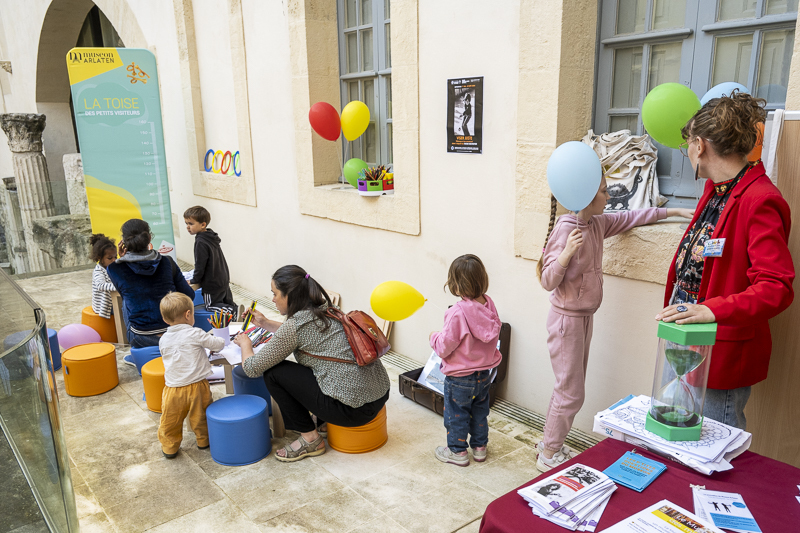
(663, 517)
(188, 275)
(231, 353)
(726, 509)
(718, 444)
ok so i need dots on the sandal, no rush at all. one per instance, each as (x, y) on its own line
(307, 449)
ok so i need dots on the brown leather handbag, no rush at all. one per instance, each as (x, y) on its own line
(366, 340)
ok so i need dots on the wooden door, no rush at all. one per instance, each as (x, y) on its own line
(773, 412)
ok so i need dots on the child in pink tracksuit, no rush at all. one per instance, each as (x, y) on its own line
(467, 345)
(572, 268)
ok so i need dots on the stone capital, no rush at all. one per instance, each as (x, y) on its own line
(24, 131)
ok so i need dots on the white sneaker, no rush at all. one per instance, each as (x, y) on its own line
(544, 464)
(566, 450)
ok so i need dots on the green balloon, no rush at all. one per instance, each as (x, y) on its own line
(666, 110)
(351, 170)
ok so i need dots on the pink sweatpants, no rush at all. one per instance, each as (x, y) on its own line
(568, 342)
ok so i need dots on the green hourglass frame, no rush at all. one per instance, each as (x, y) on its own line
(679, 386)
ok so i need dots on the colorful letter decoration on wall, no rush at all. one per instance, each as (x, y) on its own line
(118, 117)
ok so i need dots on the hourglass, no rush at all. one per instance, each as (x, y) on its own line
(679, 386)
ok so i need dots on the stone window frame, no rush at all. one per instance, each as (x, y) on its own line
(229, 188)
(557, 57)
(314, 52)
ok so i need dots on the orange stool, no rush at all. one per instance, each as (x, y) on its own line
(153, 380)
(360, 439)
(90, 369)
(103, 326)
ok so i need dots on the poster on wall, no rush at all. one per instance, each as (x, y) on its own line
(465, 115)
(117, 109)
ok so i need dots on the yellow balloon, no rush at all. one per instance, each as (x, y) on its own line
(355, 119)
(395, 300)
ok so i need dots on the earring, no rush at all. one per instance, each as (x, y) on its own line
(697, 171)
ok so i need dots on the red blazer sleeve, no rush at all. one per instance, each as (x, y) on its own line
(770, 270)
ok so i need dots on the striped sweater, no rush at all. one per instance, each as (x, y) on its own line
(101, 291)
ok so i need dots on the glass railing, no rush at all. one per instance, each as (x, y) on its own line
(29, 414)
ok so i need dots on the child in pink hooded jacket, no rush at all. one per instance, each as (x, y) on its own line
(467, 345)
(571, 267)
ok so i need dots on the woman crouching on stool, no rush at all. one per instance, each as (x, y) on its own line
(342, 393)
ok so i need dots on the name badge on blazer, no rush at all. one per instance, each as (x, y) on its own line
(713, 248)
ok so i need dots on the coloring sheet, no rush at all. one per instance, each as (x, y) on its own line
(714, 440)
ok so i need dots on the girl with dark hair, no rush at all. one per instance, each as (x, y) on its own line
(733, 265)
(143, 277)
(335, 389)
(104, 252)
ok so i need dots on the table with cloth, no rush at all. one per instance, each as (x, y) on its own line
(767, 486)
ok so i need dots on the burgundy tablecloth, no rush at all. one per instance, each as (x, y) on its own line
(768, 487)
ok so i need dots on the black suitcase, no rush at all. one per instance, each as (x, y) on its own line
(411, 389)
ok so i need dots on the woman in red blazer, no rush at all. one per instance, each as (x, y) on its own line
(733, 264)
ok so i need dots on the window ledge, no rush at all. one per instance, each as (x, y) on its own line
(644, 253)
(347, 189)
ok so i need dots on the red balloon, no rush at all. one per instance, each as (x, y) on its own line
(325, 120)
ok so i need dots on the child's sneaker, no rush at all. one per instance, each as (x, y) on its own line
(444, 454)
(564, 450)
(479, 454)
(128, 360)
(544, 464)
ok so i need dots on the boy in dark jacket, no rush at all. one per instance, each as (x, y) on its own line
(210, 267)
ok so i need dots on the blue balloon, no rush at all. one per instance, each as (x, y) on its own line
(723, 89)
(574, 174)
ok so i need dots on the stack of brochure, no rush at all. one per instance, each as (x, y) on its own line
(718, 444)
(573, 498)
(634, 471)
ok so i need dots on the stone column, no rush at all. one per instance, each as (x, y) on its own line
(24, 132)
(76, 186)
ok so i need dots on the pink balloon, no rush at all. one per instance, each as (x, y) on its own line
(76, 334)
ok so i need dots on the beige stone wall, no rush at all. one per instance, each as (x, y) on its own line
(793, 93)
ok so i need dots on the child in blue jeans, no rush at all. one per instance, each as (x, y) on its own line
(467, 345)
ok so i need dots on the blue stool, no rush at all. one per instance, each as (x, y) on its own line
(201, 317)
(55, 350)
(238, 430)
(142, 356)
(244, 384)
(198, 297)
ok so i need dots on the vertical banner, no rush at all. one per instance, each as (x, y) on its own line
(465, 115)
(118, 117)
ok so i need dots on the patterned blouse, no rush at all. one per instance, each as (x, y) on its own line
(351, 384)
(690, 261)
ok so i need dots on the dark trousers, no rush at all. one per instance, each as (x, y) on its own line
(296, 391)
(466, 410)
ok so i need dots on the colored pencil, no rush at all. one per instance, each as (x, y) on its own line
(249, 316)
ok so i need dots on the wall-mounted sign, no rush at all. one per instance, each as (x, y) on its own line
(465, 115)
(118, 117)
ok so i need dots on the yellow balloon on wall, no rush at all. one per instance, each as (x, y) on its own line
(355, 119)
(395, 300)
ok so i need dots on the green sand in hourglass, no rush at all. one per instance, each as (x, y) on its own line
(678, 407)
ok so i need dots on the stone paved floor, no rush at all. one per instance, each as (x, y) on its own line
(123, 483)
